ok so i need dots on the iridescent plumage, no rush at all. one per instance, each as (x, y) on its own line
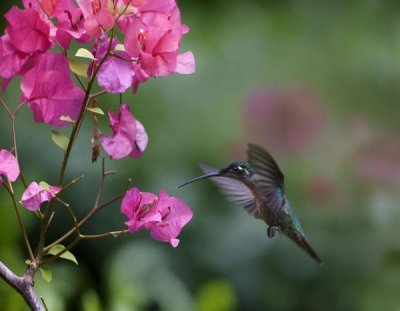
(258, 186)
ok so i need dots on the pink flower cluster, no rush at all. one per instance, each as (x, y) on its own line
(162, 215)
(36, 47)
(152, 33)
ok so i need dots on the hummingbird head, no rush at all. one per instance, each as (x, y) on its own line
(240, 170)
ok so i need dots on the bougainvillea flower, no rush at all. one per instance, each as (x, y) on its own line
(97, 16)
(175, 215)
(156, 38)
(8, 166)
(11, 60)
(116, 73)
(49, 90)
(27, 33)
(129, 136)
(140, 208)
(69, 22)
(36, 194)
(163, 216)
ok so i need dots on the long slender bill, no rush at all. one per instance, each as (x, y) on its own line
(213, 174)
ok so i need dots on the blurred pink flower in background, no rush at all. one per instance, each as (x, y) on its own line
(378, 162)
(284, 120)
(321, 188)
(8, 166)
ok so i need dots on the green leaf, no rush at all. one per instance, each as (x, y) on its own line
(96, 110)
(59, 139)
(46, 274)
(67, 119)
(79, 68)
(119, 47)
(44, 185)
(84, 53)
(67, 255)
(28, 262)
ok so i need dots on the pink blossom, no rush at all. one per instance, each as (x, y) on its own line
(97, 16)
(28, 33)
(140, 208)
(69, 22)
(49, 90)
(163, 216)
(154, 38)
(116, 73)
(175, 215)
(129, 136)
(36, 194)
(8, 166)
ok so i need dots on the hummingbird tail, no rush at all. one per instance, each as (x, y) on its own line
(307, 247)
(301, 240)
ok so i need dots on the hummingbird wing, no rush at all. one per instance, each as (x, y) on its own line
(236, 191)
(270, 180)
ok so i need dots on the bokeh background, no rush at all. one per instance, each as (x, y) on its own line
(315, 82)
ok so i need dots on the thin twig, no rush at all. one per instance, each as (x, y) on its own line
(84, 220)
(21, 224)
(94, 95)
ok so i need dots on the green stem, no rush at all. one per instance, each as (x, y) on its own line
(73, 136)
(21, 224)
(83, 221)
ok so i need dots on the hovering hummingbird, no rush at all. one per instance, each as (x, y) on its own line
(258, 186)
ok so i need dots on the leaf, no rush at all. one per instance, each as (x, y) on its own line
(67, 119)
(79, 68)
(66, 255)
(119, 47)
(46, 274)
(84, 53)
(96, 110)
(59, 139)
(44, 185)
(28, 262)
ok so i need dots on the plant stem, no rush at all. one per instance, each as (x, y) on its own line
(73, 136)
(21, 224)
(83, 221)
(23, 285)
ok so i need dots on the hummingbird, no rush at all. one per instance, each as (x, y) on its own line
(258, 185)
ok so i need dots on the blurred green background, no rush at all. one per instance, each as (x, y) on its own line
(316, 83)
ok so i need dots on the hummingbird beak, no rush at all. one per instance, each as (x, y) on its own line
(212, 174)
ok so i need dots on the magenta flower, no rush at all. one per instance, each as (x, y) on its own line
(116, 73)
(140, 209)
(174, 216)
(49, 90)
(8, 166)
(129, 136)
(69, 21)
(27, 33)
(163, 216)
(97, 16)
(153, 36)
(36, 194)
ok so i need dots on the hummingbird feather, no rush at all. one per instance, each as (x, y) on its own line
(270, 180)
(235, 190)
